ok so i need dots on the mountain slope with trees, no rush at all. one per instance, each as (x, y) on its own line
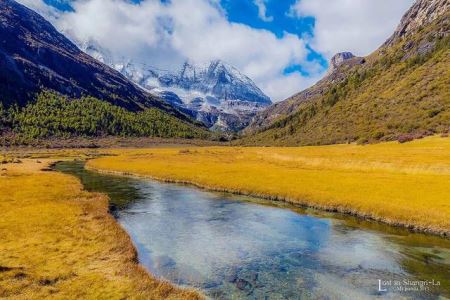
(35, 58)
(54, 115)
(401, 91)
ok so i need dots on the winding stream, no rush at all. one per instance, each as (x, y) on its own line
(234, 247)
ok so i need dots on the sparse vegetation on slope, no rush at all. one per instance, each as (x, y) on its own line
(53, 115)
(400, 92)
(59, 242)
(403, 184)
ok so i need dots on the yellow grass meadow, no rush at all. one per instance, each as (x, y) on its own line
(59, 242)
(399, 184)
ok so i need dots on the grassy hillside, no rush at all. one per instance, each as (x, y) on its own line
(390, 182)
(53, 115)
(400, 92)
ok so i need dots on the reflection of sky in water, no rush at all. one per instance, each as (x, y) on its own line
(204, 239)
(234, 249)
(205, 230)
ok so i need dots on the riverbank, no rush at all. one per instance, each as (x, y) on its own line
(398, 184)
(59, 241)
(102, 142)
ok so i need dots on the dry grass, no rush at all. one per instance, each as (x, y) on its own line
(59, 242)
(401, 184)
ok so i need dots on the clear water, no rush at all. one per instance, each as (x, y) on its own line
(234, 247)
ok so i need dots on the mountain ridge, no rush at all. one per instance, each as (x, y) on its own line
(216, 93)
(400, 90)
(39, 67)
(36, 56)
(336, 73)
(420, 14)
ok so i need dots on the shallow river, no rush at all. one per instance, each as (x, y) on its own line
(233, 247)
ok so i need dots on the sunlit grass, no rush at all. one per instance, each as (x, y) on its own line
(59, 242)
(403, 184)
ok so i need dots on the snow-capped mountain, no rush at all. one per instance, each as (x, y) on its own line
(216, 94)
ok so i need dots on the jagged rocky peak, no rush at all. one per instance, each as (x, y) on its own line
(218, 68)
(423, 12)
(338, 59)
(215, 93)
(188, 71)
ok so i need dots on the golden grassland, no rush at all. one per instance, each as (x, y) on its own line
(59, 241)
(399, 184)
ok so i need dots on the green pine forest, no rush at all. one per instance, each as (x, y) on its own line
(54, 115)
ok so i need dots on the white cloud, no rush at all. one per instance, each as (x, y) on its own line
(290, 84)
(39, 6)
(262, 10)
(359, 26)
(164, 35)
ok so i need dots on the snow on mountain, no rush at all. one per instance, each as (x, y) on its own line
(216, 94)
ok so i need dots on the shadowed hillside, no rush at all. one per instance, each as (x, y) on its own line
(35, 57)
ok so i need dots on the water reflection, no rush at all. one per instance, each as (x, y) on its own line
(237, 247)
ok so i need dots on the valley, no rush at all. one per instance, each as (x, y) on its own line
(136, 162)
(399, 184)
(246, 252)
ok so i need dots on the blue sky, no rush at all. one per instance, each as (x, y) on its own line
(246, 12)
(283, 45)
(60, 4)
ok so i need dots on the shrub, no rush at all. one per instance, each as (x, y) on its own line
(404, 138)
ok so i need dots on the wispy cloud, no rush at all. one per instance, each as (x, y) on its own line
(262, 10)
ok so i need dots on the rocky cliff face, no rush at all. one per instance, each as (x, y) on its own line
(423, 12)
(338, 60)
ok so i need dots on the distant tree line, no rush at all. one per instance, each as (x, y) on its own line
(54, 115)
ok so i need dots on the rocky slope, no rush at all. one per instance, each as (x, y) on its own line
(216, 94)
(35, 56)
(399, 91)
(336, 73)
(422, 13)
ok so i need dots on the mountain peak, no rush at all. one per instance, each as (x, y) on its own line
(217, 63)
(205, 91)
(188, 71)
(338, 59)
